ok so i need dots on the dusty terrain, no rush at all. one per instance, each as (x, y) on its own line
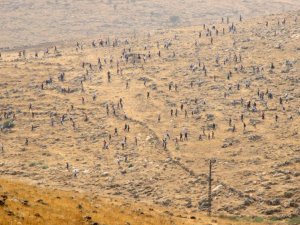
(257, 168)
(31, 22)
(25, 204)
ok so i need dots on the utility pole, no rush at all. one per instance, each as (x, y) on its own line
(211, 161)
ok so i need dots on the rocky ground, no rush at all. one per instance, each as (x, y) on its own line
(25, 204)
(248, 76)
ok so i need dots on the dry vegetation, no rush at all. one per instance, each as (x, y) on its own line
(257, 168)
(28, 205)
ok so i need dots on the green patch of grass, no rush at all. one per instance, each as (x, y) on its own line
(254, 219)
(257, 219)
(32, 164)
(46, 154)
(45, 167)
(233, 218)
(275, 219)
(294, 220)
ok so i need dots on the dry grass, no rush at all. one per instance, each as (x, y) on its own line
(29, 205)
(253, 167)
(60, 207)
(49, 207)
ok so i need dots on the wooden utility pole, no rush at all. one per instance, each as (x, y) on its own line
(211, 161)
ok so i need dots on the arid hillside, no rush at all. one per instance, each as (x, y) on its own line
(27, 205)
(31, 22)
(138, 117)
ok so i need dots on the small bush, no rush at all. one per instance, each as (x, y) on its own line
(258, 219)
(8, 124)
(32, 164)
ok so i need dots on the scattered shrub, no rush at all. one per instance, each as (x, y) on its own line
(8, 124)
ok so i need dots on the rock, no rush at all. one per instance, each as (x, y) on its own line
(210, 117)
(169, 213)
(203, 205)
(274, 201)
(25, 202)
(271, 211)
(236, 102)
(104, 174)
(283, 164)
(10, 213)
(2, 202)
(285, 69)
(247, 201)
(255, 138)
(230, 142)
(211, 126)
(189, 203)
(296, 212)
(228, 209)
(249, 191)
(217, 189)
(8, 124)
(41, 201)
(254, 122)
(167, 202)
(278, 46)
(87, 218)
(288, 194)
(150, 138)
(293, 204)
(226, 145)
